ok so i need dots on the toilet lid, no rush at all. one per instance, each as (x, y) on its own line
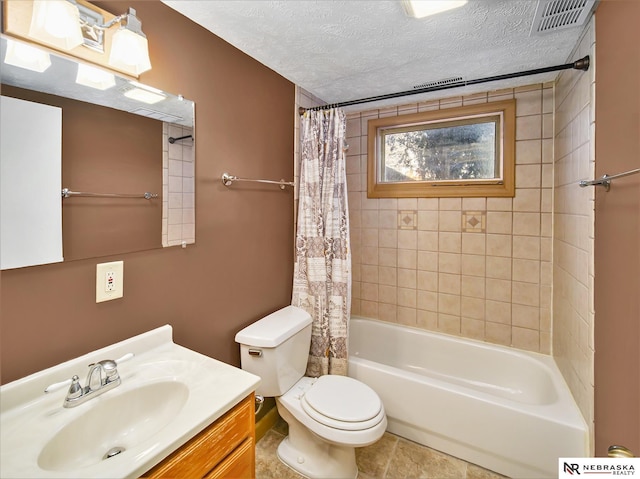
(343, 403)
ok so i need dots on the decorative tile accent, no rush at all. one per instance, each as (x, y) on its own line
(474, 221)
(408, 219)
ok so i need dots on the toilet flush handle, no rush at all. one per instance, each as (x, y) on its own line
(255, 352)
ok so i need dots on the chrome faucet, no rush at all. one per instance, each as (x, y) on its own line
(102, 377)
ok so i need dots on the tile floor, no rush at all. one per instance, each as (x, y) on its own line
(392, 457)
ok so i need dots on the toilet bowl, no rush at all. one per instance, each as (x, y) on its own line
(329, 416)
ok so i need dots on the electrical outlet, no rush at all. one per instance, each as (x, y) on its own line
(109, 281)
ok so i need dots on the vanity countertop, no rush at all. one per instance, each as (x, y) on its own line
(40, 438)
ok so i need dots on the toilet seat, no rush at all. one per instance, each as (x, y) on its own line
(342, 402)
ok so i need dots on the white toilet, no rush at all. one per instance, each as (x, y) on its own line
(328, 416)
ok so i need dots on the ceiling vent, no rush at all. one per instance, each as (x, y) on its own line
(554, 15)
(431, 84)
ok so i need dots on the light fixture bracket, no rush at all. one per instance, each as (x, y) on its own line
(91, 21)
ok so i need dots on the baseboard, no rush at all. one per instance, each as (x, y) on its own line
(268, 420)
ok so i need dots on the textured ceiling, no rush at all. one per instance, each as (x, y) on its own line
(344, 50)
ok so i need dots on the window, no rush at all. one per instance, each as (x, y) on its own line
(463, 152)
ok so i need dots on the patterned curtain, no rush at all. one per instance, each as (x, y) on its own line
(322, 269)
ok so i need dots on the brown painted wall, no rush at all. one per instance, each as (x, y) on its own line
(241, 265)
(617, 230)
(107, 151)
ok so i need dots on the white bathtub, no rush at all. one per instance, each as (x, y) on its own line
(503, 409)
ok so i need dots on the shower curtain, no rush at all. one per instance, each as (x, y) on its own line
(322, 268)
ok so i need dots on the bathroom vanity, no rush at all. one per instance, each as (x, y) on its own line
(174, 413)
(226, 449)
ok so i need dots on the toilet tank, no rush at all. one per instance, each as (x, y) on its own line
(276, 348)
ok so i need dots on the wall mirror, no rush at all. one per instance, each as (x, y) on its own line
(118, 137)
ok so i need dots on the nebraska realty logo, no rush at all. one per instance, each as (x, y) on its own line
(598, 466)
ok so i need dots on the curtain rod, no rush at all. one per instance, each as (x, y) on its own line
(582, 64)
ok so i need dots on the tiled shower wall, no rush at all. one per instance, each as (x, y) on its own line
(473, 267)
(573, 244)
(178, 187)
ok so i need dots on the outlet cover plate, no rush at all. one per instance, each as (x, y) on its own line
(115, 267)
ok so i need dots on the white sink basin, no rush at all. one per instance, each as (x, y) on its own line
(113, 425)
(168, 395)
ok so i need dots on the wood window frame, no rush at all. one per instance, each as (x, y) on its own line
(504, 187)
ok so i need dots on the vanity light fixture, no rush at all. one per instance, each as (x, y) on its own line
(424, 8)
(67, 24)
(56, 23)
(25, 56)
(129, 47)
(94, 77)
(144, 93)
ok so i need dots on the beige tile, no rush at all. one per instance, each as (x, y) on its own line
(498, 312)
(528, 176)
(498, 267)
(407, 278)
(387, 257)
(387, 294)
(413, 461)
(527, 199)
(474, 243)
(478, 204)
(529, 127)
(472, 328)
(450, 204)
(369, 291)
(499, 245)
(428, 240)
(448, 323)
(388, 312)
(387, 219)
(525, 316)
(498, 289)
(499, 222)
(370, 219)
(374, 459)
(388, 204)
(407, 203)
(473, 265)
(266, 466)
(427, 261)
(499, 204)
(449, 242)
(472, 308)
(427, 280)
(526, 224)
(369, 274)
(369, 237)
(527, 339)
(406, 316)
(449, 304)
(449, 263)
(498, 333)
(473, 286)
(388, 238)
(449, 283)
(528, 152)
(407, 239)
(388, 275)
(526, 247)
(369, 309)
(529, 103)
(450, 220)
(526, 270)
(527, 294)
(407, 258)
(427, 319)
(477, 472)
(427, 300)
(428, 204)
(407, 297)
(369, 255)
(428, 220)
